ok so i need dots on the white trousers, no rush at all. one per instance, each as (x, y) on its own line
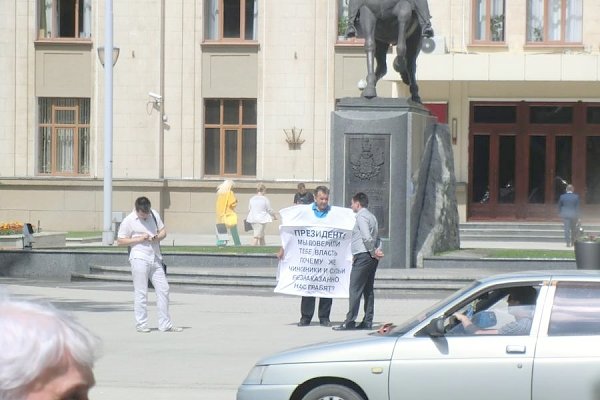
(142, 270)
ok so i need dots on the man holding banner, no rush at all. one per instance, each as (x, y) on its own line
(315, 259)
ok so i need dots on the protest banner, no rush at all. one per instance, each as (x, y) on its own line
(317, 258)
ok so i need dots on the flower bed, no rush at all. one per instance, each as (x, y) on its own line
(11, 228)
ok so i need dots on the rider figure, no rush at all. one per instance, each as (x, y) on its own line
(421, 7)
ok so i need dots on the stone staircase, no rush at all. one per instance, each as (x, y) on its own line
(439, 277)
(389, 283)
(517, 231)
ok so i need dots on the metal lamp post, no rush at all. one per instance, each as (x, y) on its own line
(107, 234)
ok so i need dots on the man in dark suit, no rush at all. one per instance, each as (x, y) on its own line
(568, 208)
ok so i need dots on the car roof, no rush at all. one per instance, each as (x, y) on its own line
(587, 275)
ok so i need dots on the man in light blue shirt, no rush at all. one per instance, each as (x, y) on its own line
(319, 210)
(366, 252)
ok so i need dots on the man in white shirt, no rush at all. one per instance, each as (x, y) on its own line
(142, 231)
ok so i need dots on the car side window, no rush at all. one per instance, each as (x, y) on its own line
(576, 309)
(496, 312)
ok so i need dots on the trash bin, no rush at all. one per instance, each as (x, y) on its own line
(117, 218)
(587, 254)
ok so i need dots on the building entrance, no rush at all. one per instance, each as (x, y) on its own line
(523, 154)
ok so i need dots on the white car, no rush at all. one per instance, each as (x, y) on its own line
(554, 355)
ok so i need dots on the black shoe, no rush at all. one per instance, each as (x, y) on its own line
(325, 322)
(304, 322)
(346, 326)
(365, 325)
(428, 32)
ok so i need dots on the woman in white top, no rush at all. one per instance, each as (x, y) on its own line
(260, 213)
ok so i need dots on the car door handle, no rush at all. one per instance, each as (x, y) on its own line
(515, 349)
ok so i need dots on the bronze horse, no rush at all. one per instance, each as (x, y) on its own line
(390, 22)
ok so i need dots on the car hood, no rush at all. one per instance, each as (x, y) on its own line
(369, 348)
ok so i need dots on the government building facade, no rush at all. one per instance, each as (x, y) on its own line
(244, 89)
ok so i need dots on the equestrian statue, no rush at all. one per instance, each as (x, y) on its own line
(382, 23)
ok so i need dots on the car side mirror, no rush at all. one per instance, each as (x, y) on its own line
(435, 328)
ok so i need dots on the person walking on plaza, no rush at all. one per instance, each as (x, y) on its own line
(45, 353)
(568, 208)
(142, 231)
(303, 196)
(319, 209)
(366, 252)
(259, 214)
(225, 210)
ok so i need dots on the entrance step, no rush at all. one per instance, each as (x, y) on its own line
(517, 232)
(402, 283)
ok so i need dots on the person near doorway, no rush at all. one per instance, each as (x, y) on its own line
(568, 209)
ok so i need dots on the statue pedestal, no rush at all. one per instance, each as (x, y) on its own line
(377, 148)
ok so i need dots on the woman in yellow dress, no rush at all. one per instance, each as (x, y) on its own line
(225, 210)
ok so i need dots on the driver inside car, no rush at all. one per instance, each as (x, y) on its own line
(521, 305)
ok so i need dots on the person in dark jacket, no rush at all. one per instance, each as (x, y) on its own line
(568, 208)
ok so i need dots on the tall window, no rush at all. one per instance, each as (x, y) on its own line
(64, 18)
(554, 21)
(230, 137)
(64, 136)
(231, 19)
(342, 17)
(489, 21)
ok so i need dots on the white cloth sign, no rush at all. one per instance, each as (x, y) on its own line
(317, 258)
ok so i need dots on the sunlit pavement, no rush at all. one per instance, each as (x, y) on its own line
(224, 335)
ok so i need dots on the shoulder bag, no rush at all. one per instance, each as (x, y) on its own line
(164, 266)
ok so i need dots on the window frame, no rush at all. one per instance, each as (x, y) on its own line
(501, 292)
(562, 41)
(54, 127)
(223, 128)
(81, 19)
(488, 37)
(220, 24)
(342, 12)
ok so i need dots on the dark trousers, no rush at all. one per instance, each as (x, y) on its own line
(362, 279)
(307, 308)
(570, 227)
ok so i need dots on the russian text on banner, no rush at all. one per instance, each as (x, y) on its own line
(317, 258)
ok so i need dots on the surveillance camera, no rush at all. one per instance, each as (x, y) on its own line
(156, 97)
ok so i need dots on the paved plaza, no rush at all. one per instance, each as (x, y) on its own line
(224, 335)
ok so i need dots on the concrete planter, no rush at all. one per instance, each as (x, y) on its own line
(11, 241)
(40, 240)
(587, 254)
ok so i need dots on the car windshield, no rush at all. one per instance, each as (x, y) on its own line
(434, 309)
